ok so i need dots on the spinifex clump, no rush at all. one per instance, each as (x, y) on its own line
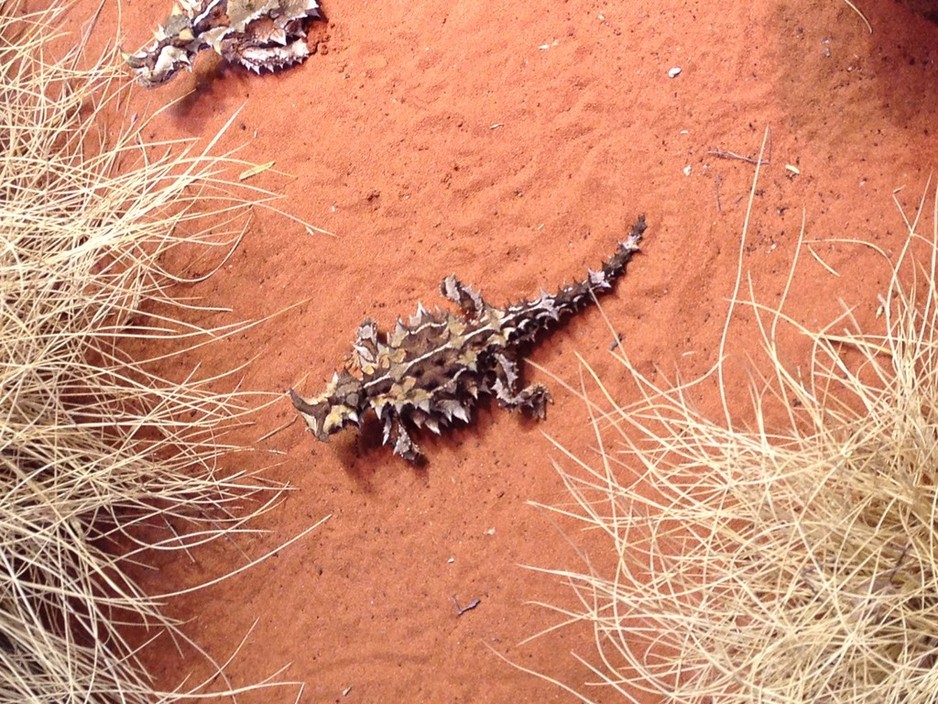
(791, 560)
(96, 445)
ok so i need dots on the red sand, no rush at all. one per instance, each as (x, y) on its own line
(513, 145)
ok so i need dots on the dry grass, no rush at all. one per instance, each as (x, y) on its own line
(791, 560)
(102, 460)
(859, 13)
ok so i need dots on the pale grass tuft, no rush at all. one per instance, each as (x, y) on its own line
(793, 558)
(102, 459)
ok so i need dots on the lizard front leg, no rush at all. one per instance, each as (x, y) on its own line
(468, 298)
(403, 444)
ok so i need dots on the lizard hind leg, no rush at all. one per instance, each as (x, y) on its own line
(468, 298)
(533, 398)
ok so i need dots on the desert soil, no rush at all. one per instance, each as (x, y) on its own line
(513, 144)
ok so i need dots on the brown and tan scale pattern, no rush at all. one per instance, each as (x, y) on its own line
(257, 34)
(430, 371)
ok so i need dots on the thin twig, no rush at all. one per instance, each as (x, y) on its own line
(276, 430)
(721, 154)
(460, 610)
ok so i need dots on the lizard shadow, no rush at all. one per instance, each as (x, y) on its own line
(211, 82)
(213, 79)
(363, 454)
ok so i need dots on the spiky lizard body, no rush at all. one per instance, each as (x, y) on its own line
(430, 371)
(257, 34)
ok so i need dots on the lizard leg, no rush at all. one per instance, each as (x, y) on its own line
(365, 347)
(533, 398)
(403, 444)
(468, 298)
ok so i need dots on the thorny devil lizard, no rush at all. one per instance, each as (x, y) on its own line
(430, 371)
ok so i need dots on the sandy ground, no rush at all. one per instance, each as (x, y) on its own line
(513, 144)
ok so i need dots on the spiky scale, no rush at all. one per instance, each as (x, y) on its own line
(261, 35)
(431, 370)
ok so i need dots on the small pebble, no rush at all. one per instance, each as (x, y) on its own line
(674, 72)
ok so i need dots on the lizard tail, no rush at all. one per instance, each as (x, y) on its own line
(572, 298)
(526, 319)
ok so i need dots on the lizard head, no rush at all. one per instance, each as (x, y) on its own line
(340, 404)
